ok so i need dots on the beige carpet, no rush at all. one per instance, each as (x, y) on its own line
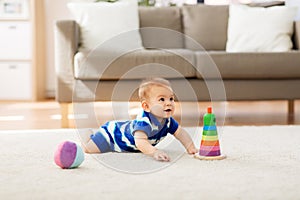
(262, 163)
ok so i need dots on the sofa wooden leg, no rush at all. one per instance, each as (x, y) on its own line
(291, 112)
(64, 108)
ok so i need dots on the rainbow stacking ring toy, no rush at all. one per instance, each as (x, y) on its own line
(210, 146)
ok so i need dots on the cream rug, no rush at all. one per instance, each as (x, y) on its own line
(262, 163)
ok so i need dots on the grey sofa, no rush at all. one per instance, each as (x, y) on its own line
(201, 73)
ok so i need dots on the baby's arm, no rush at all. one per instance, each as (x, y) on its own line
(142, 143)
(185, 140)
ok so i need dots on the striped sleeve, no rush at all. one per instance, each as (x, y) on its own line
(173, 126)
(142, 124)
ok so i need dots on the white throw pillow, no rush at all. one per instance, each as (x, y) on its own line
(101, 21)
(258, 29)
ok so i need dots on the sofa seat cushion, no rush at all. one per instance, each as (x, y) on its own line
(272, 65)
(138, 64)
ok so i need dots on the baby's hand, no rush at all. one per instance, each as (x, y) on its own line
(192, 150)
(161, 156)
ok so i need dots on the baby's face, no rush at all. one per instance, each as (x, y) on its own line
(161, 102)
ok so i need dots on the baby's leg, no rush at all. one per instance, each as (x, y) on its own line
(87, 143)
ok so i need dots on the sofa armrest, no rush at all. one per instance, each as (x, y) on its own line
(297, 35)
(66, 39)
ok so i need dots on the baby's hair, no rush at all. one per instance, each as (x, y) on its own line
(148, 83)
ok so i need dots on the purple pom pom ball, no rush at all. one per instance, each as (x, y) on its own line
(68, 155)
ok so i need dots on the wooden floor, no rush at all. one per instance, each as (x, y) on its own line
(46, 115)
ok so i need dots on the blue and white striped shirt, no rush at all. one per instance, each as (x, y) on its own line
(119, 135)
